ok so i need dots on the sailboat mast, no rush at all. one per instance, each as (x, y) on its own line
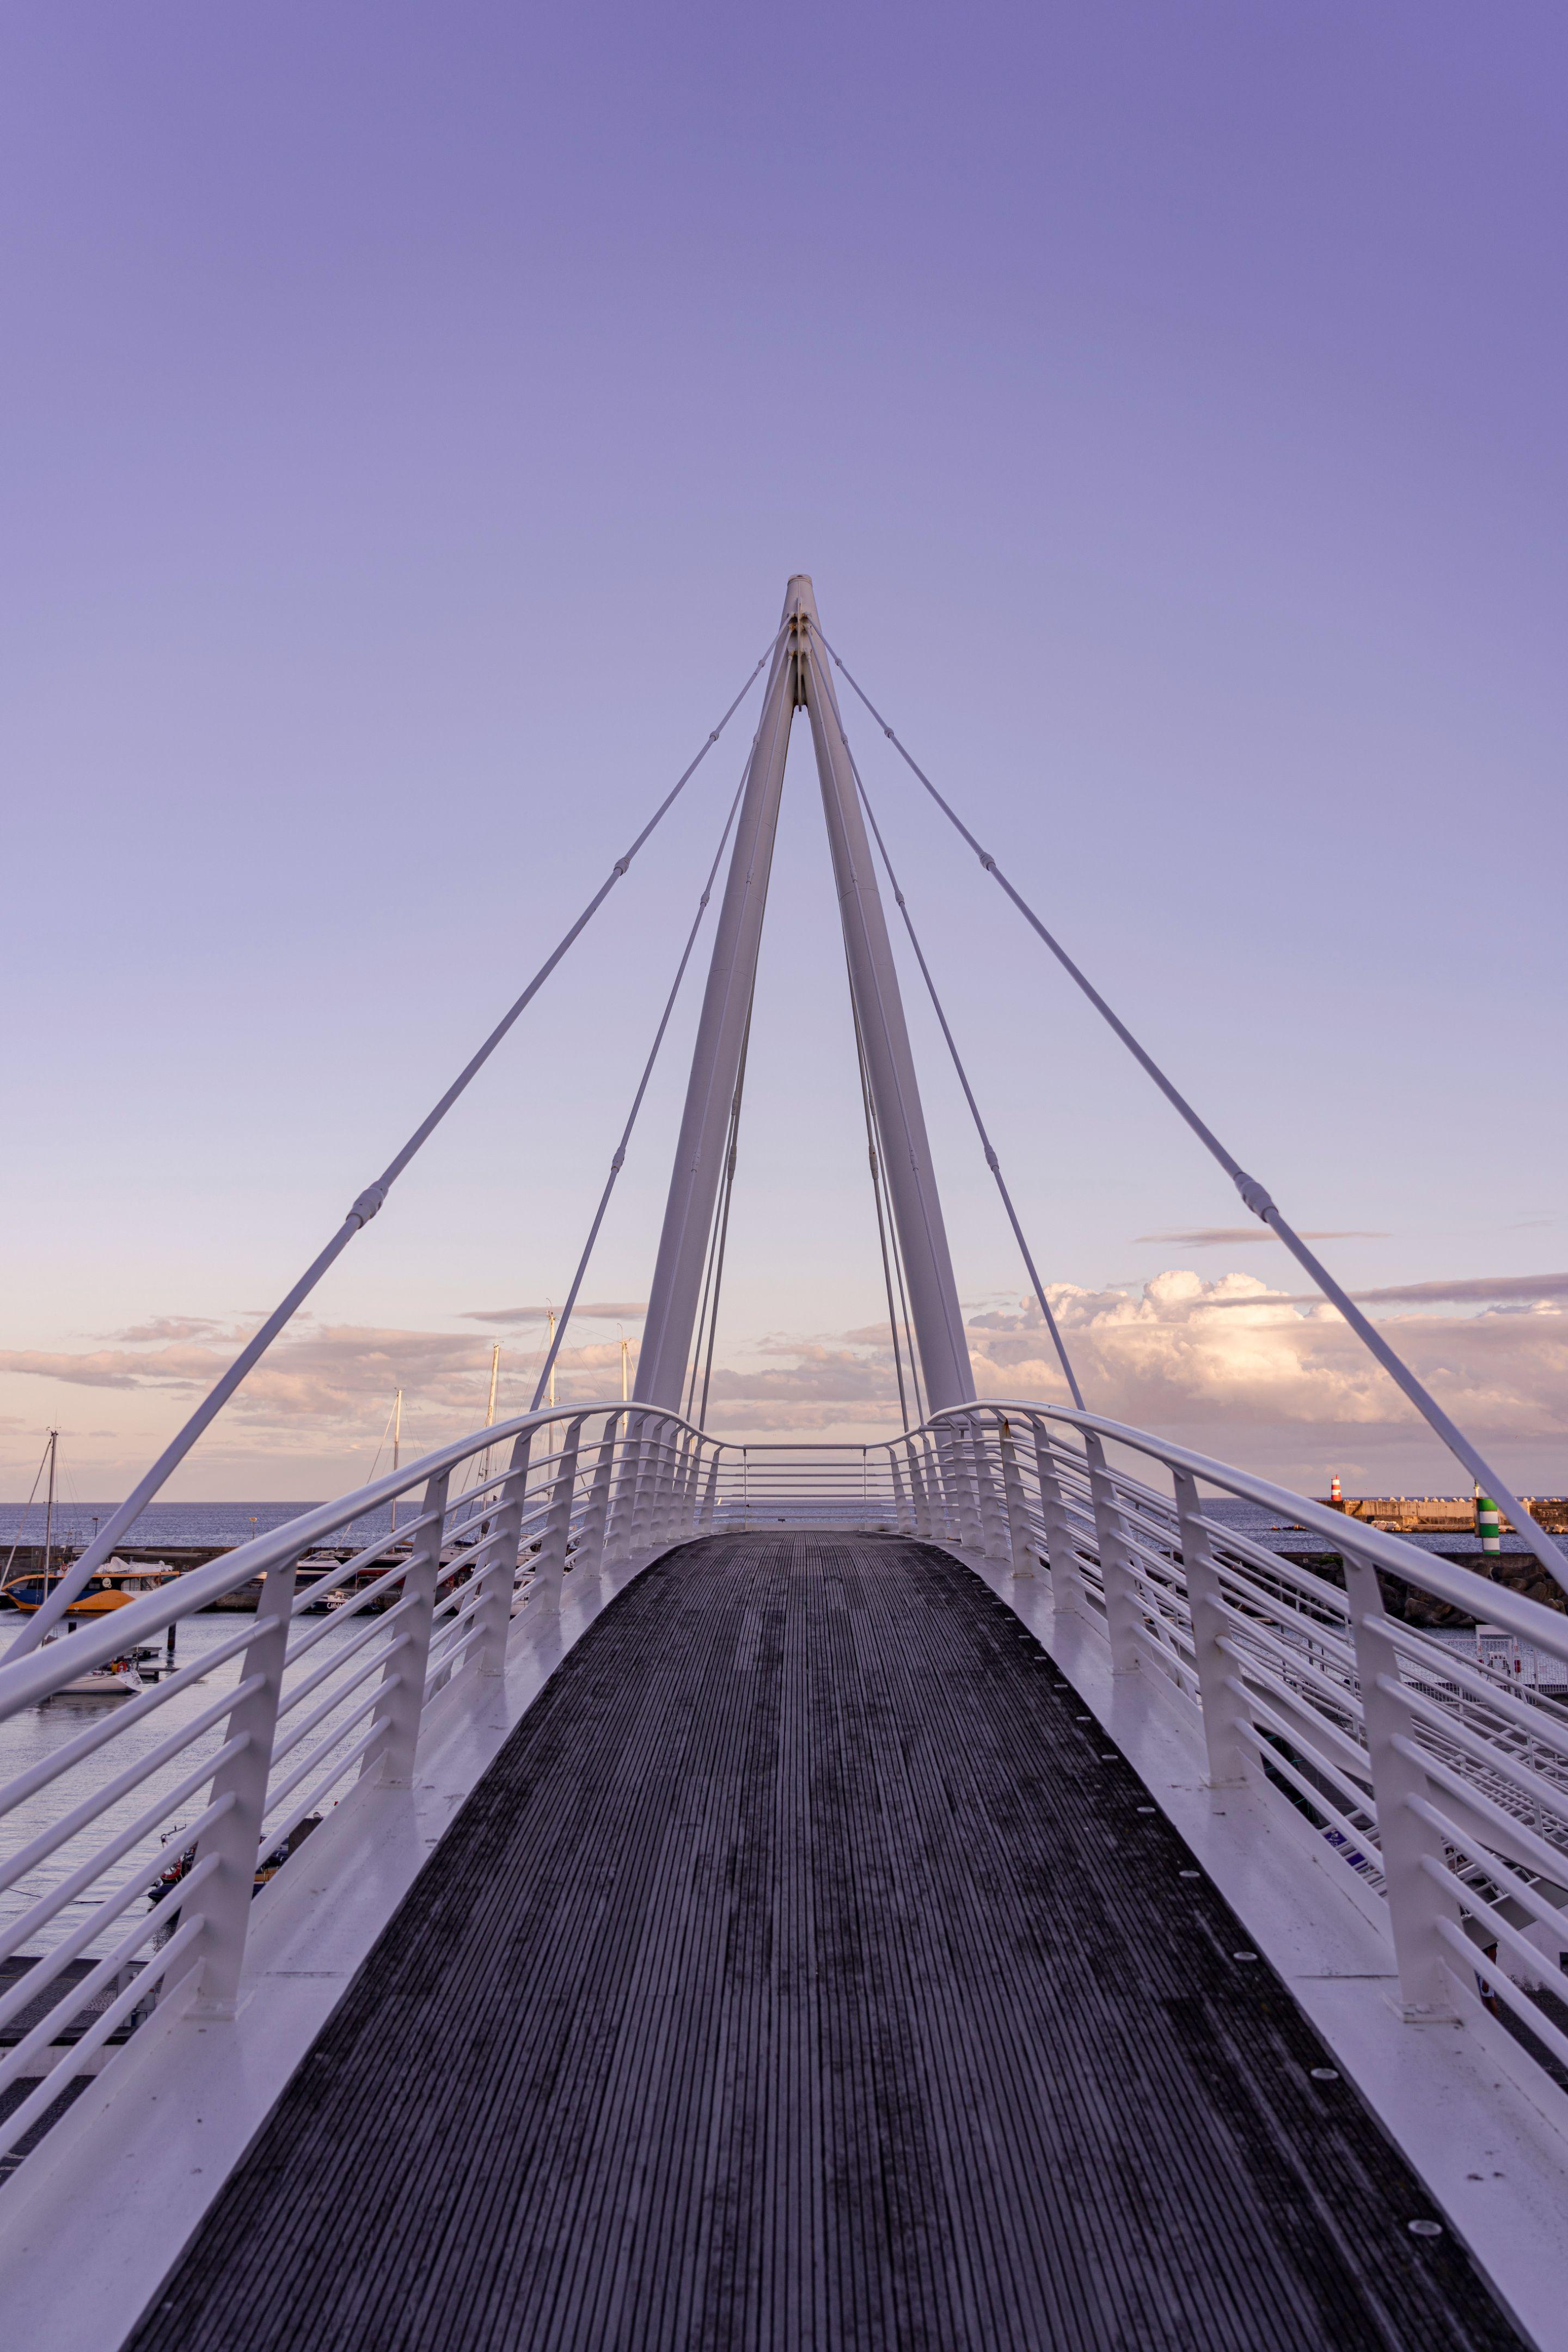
(490, 1411)
(49, 1510)
(396, 1445)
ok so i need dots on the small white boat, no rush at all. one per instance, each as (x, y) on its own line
(118, 1679)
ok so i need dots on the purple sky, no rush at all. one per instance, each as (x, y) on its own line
(412, 417)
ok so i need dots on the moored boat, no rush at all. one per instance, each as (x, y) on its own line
(119, 1678)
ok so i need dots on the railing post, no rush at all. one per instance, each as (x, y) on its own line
(939, 1485)
(619, 1532)
(966, 1458)
(1020, 1537)
(690, 1498)
(558, 1525)
(962, 1517)
(903, 1517)
(992, 1526)
(658, 1483)
(710, 1498)
(919, 1504)
(402, 1700)
(1224, 1711)
(591, 1547)
(1061, 1555)
(1122, 1609)
(944, 1521)
(674, 1526)
(643, 1524)
(235, 1838)
(1415, 1901)
(496, 1569)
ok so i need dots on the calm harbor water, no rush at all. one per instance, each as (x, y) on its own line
(39, 1732)
(165, 1523)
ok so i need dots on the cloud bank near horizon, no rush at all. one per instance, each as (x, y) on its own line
(1225, 1361)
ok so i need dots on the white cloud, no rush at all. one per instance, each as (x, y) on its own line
(1230, 1353)
(1224, 1363)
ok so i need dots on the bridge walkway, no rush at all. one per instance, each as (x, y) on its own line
(804, 1973)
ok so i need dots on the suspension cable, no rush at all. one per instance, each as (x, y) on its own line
(365, 1207)
(712, 1252)
(992, 1162)
(911, 1350)
(1254, 1195)
(723, 1228)
(717, 1217)
(618, 1160)
(871, 1148)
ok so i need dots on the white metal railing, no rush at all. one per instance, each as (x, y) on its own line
(335, 1677)
(1438, 1780)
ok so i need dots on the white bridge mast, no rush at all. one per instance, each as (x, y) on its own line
(797, 679)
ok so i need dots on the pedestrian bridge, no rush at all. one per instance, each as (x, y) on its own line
(959, 1890)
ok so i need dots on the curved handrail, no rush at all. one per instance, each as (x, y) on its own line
(1292, 1682)
(1531, 1619)
(27, 1678)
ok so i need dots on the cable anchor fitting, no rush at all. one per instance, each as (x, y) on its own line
(621, 864)
(370, 1201)
(1255, 1195)
(986, 860)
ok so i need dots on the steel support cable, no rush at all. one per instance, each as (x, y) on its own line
(617, 1160)
(822, 684)
(872, 1148)
(364, 1209)
(1255, 1195)
(723, 1228)
(712, 1252)
(878, 1147)
(910, 1348)
(992, 1162)
(718, 1216)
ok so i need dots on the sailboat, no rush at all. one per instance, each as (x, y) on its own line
(119, 1678)
(116, 1582)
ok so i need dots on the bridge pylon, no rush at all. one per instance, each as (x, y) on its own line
(798, 679)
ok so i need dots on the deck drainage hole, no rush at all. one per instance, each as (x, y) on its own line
(1424, 2229)
(1244, 1955)
(1331, 2075)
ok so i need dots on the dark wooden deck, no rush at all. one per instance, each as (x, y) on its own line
(802, 1974)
